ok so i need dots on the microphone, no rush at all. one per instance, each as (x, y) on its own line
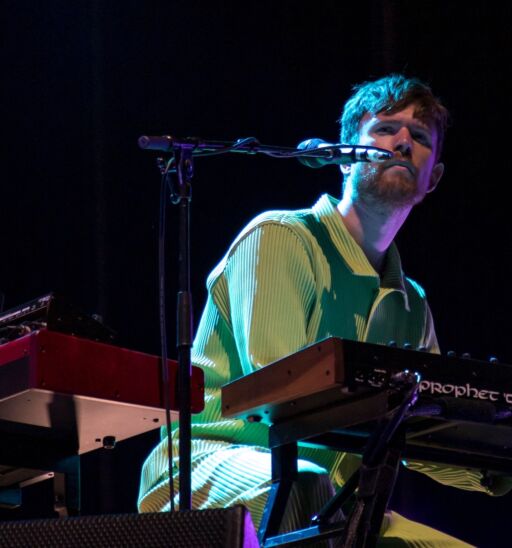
(326, 154)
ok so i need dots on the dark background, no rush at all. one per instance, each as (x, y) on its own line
(82, 80)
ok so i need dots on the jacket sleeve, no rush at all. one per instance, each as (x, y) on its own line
(270, 286)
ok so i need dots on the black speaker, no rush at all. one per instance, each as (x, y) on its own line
(222, 528)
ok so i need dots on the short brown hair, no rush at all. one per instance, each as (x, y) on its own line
(392, 94)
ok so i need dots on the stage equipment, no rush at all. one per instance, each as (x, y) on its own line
(55, 313)
(313, 152)
(221, 528)
(336, 154)
(383, 402)
(62, 396)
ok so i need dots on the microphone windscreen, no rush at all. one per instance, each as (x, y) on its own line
(311, 144)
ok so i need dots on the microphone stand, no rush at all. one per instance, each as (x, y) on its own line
(181, 195)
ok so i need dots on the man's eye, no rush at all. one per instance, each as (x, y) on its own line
(423, 139)
(385, 129)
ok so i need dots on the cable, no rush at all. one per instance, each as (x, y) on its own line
(165, 170)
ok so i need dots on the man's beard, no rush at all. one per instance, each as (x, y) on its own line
(383, 188)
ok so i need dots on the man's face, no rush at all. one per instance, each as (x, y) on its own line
(403, 180)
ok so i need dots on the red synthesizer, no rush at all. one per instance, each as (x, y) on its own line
(66, 383)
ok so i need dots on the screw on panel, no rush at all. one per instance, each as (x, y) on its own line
(109, 442)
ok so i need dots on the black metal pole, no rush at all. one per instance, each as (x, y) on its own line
(182, 195)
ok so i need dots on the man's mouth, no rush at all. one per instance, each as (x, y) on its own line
(401, 163)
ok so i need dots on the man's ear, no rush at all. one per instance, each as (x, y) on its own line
(346, 169)
(435, 177)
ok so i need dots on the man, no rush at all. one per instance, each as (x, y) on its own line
(295, 277)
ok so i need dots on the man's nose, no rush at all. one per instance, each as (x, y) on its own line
(403, 142)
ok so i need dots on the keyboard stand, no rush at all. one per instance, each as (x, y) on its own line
(374, 482)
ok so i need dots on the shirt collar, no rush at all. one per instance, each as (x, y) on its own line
(392, 277)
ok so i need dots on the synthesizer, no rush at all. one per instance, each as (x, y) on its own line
(337, 369)
(334, 392)
(61, 384)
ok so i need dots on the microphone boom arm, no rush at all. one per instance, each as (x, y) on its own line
(329, 153)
